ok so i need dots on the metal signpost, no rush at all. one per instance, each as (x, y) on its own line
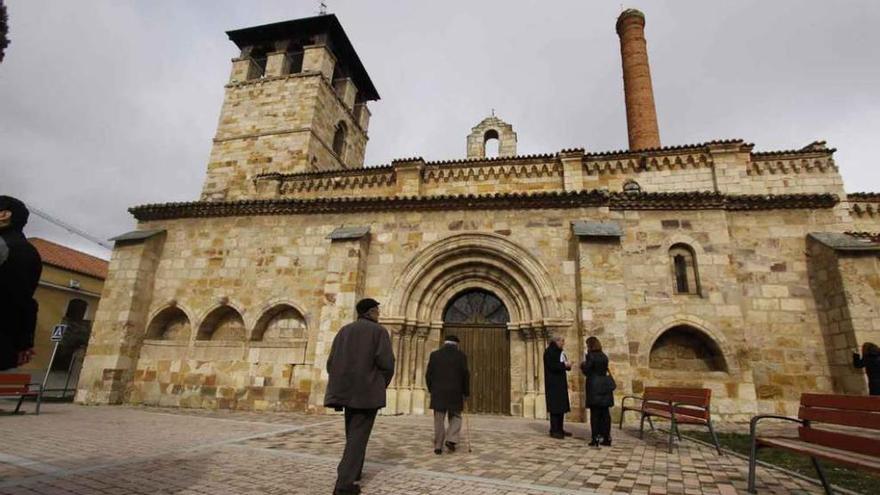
(57, 335)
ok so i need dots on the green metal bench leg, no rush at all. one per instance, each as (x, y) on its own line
(821, 473)
(18, 406)
(642, 426)
(753, 465)
(672, 429)
(620, 425)
(39, 400)
(651, 423)
(714, 437)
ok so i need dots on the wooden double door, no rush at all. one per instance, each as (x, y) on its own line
(487, 348)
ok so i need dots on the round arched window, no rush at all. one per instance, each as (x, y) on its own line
(476, 306)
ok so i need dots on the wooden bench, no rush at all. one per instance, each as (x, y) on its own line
(19, 385)
(857, 445)
(679, 405)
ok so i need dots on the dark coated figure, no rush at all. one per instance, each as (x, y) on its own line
(448, 381)
(360, 365)
(870, 360)
(20, 268)
(556, 367)
(599, 392)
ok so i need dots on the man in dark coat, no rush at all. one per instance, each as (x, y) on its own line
(20, 268)
(556, 365)
(448, 382)
(870, 360)
(360, 366)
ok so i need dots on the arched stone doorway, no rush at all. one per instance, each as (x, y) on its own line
(479, 319)
(456, 265)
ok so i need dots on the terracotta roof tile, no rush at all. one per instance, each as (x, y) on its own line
(70, 259)
(536, 200)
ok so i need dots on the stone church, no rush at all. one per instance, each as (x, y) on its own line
(752, 273)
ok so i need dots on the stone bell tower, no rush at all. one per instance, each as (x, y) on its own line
(491, 128)
(296, 101)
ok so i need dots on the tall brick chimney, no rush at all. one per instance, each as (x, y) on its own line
(641, 117)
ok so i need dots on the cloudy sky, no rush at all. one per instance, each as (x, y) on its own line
(109, 104)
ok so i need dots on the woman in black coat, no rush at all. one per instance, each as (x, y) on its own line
(556, 365)
(599, 393)
(870, 360)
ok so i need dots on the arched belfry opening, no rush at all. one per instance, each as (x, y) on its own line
(491, 138)
(498, 299)
(479, 319)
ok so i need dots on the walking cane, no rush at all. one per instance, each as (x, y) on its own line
(467, 426)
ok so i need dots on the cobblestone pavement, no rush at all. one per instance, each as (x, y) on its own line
(71, 449)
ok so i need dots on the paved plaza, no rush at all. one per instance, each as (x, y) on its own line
(70, 449)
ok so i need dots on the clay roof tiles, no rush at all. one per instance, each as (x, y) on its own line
(574, 199)
(70, 259)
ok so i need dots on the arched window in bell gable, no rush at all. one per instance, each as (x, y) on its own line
(339, 139)
(683, 263)
(491, 144)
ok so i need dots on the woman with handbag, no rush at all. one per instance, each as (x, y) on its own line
(600, 392)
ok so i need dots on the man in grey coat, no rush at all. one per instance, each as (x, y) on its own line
(448, 381)
(360, 366)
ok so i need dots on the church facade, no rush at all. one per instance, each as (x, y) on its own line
(751, 273)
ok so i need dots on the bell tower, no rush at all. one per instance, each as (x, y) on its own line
(296, 101)
(491, 128)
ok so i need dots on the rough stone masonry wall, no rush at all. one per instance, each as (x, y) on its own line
(794, 173)
(329, 112)
(283, 125)
(846, 287)
(755, 304)
(864, 212)
(653, 307)
(830, 294)
(120, 322)
(690, 169)
(251, 264)
(781, 321)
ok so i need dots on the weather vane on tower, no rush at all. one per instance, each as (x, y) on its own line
(322, 8)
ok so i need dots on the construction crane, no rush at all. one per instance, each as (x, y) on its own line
(66, 226)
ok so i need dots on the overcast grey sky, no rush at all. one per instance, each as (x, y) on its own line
(109, 104)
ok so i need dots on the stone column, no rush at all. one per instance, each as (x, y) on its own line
(420, 394)
(243, 69)
(394, 326)
(121, 319)
(528, 392)
(318, 58)
(362, 115)
(641, 116)
(404, 386)
(343, 287)
(346, 90)
(602, 296)
(277, 64)
(540, 343)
